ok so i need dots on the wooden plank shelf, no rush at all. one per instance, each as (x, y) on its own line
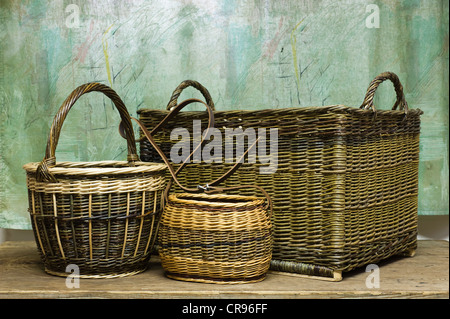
(426, 275)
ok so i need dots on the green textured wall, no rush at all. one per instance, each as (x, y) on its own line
(249, 54)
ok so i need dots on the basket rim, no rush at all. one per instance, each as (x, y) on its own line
(180, 198)
(335, 108)
(98, 168)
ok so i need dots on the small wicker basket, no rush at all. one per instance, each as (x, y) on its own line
(99, 216)
(215, 238)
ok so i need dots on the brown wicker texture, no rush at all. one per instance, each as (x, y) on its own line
(346, 186)
(215, 238)
(99, 216)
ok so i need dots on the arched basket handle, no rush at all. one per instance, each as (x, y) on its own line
(185, 84)
(49, 160)
(400, 102)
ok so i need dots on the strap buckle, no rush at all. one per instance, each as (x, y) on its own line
(204, 188)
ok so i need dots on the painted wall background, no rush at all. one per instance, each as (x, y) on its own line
(250, 55)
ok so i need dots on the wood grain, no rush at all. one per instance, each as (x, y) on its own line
(426, 275)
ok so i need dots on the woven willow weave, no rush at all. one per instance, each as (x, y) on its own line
(97, 216)
(217, 238)
(345, 191)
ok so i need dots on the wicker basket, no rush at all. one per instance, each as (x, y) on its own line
(345, 191)
(215, 238)
(99, 216)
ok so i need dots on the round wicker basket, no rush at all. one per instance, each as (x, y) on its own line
(97, 216)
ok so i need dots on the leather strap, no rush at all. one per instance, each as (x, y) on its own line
(199, 189)
(209, 188)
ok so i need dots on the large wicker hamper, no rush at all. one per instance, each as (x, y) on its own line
(346, 186)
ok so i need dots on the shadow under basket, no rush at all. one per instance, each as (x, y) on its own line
(222, 239)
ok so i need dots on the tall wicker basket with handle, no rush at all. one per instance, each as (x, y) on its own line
(346, 186)
(97, 216)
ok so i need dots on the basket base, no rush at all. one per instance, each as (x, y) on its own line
(96, 267)
(93, 276)
(408, 253)
(299, 269)
(305, 270)
(209, 280)
(337, 275)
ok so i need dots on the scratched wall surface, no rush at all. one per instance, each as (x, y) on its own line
(250, 54)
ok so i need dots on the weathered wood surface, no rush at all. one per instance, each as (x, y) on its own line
(426, 275)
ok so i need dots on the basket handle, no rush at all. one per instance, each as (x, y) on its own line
(401, 101)
(211, 187)
(49, 160)
(187, 83)
(172, 114)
